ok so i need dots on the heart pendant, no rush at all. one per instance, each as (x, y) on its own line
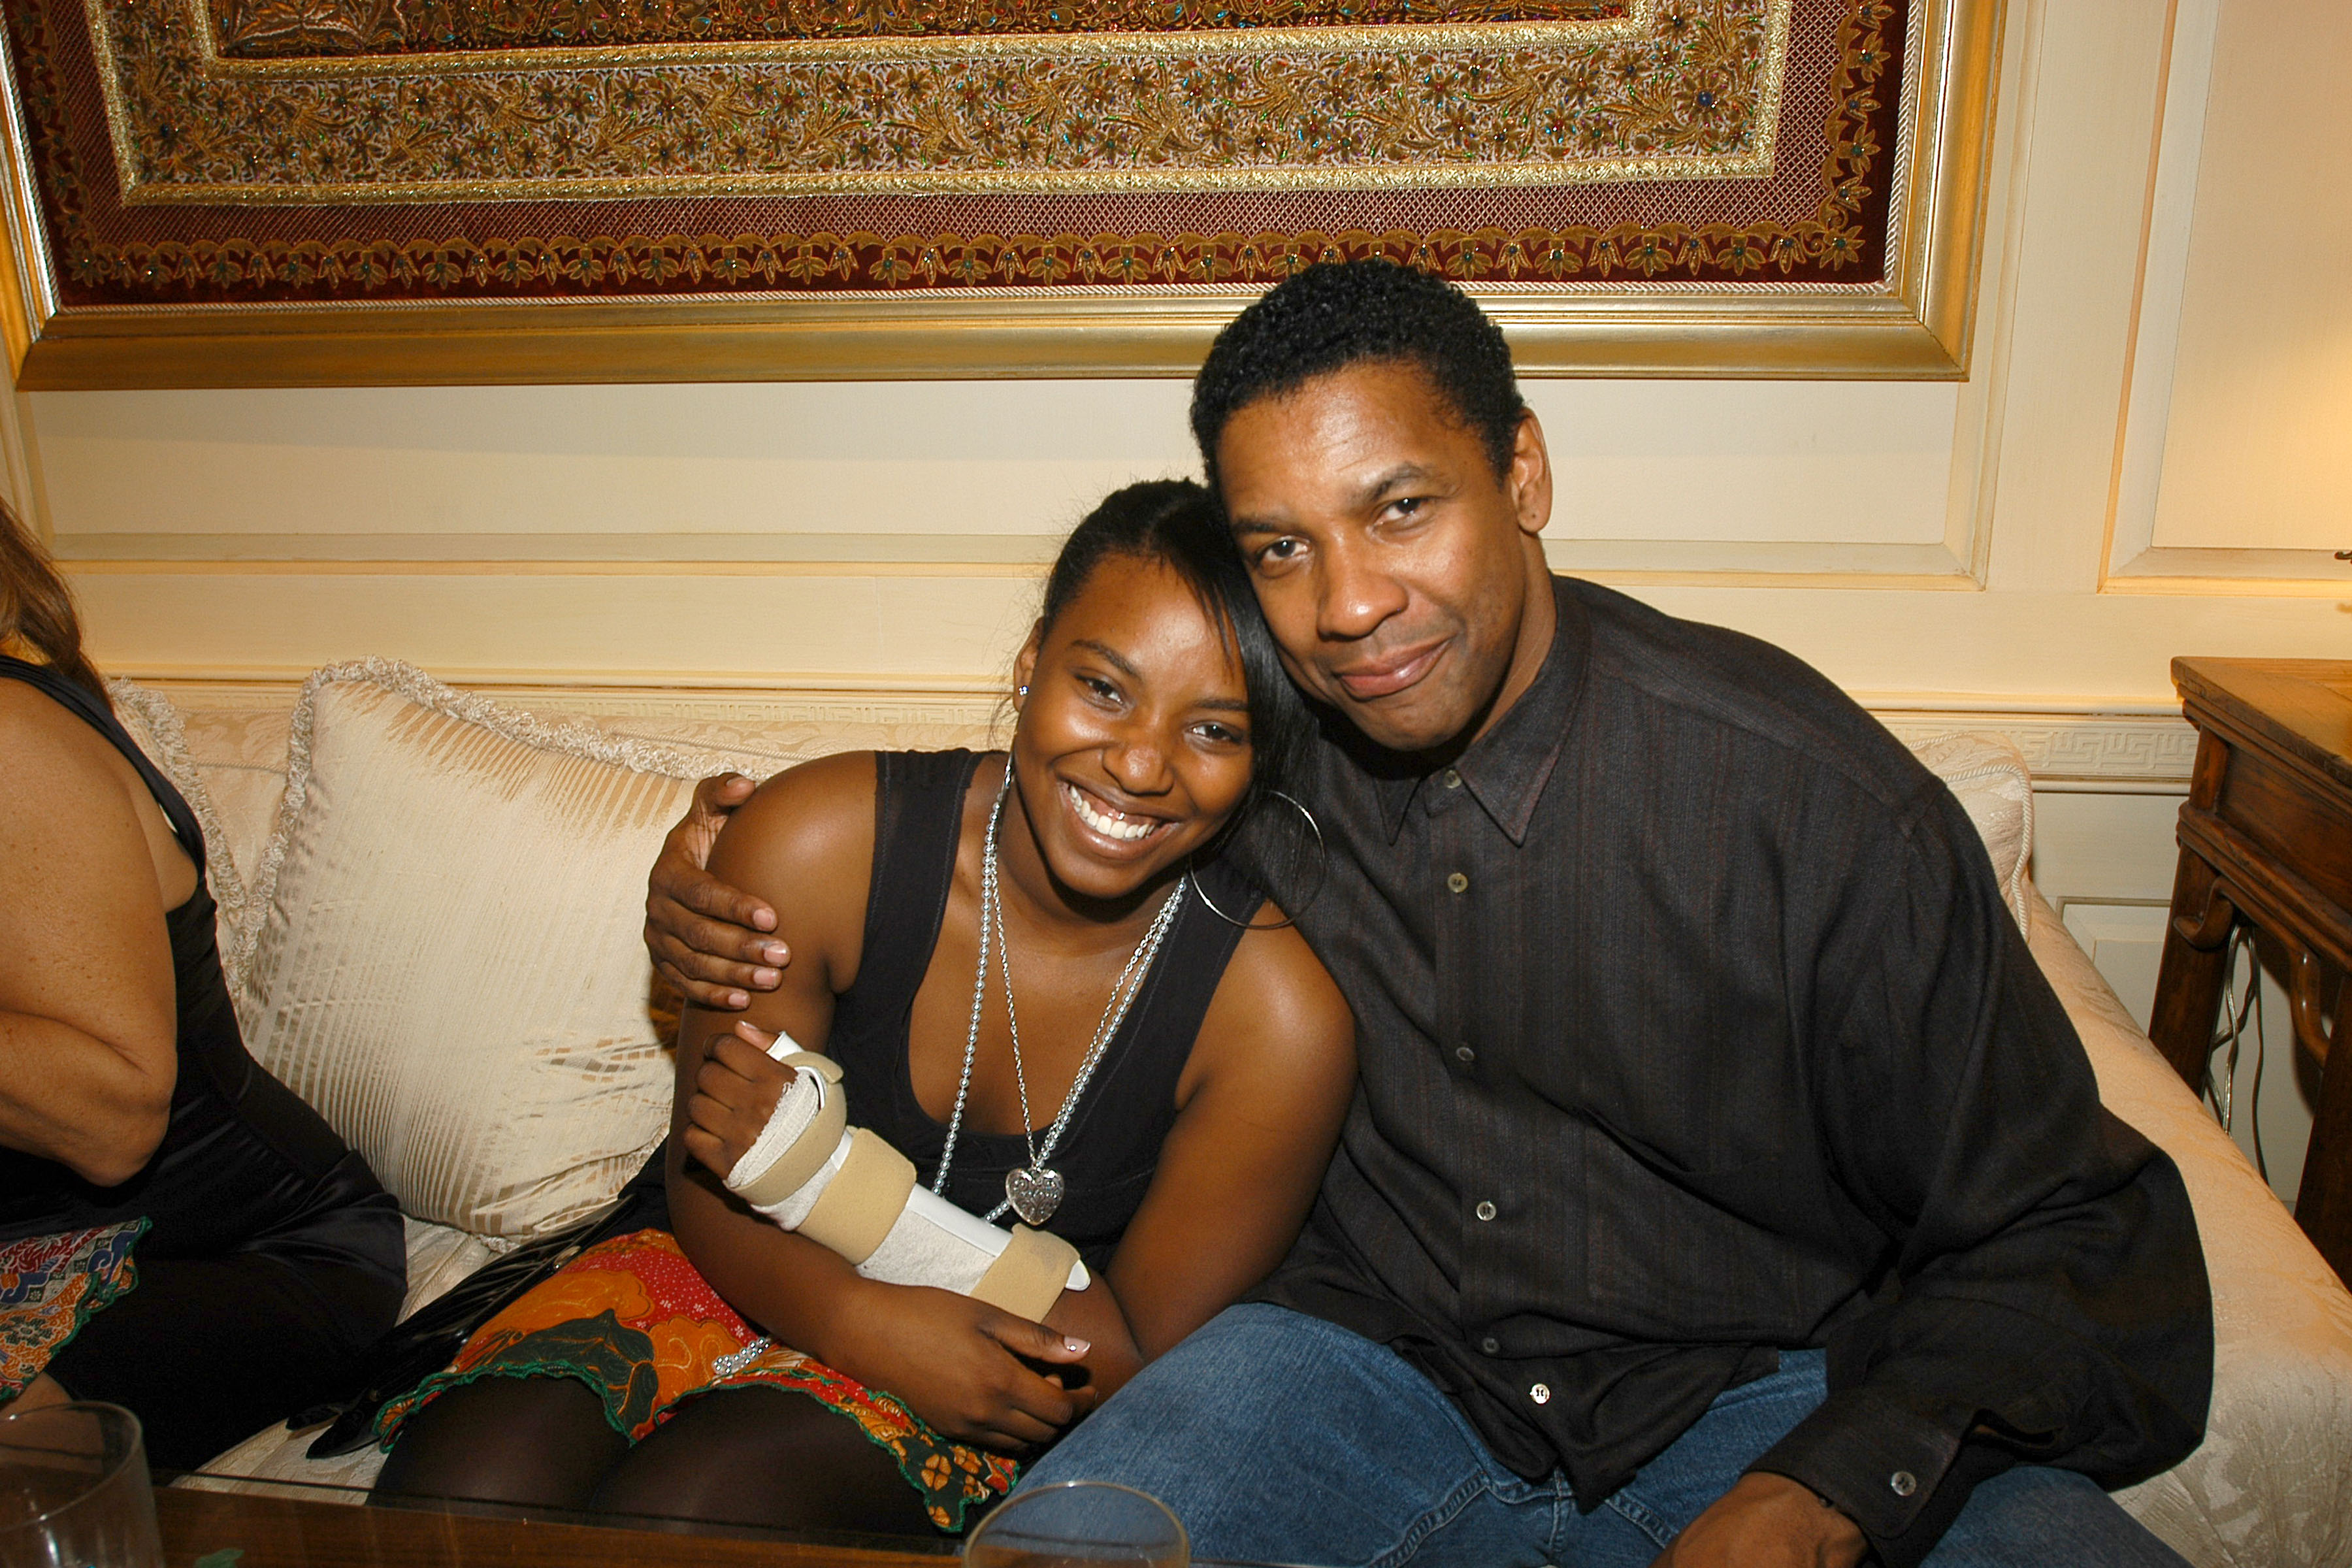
(1035, 1194)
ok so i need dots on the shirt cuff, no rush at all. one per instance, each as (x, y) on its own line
(1883, 1464)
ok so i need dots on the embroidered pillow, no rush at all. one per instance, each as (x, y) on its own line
(1989, 778)
(151, 719)
(446, 961)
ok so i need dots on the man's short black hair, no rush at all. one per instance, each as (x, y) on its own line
(1336, 314)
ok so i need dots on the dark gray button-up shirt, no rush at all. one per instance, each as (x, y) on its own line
(1693, 1026)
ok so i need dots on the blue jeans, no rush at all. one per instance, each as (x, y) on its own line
(1279, 1437)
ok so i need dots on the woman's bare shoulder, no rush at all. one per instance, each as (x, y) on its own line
(53, 757)
(804, 842)
(810, 818)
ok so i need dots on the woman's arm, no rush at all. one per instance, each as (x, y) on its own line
(88, 1047)
(806, 844)
(1260, 1106)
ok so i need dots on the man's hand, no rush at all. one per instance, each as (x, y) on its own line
(736, 1091)
(1767, 1521)
(705, 936)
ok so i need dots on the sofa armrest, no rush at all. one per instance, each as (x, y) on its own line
(2272, 1481)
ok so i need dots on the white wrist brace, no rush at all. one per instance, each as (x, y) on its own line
(849, 1190)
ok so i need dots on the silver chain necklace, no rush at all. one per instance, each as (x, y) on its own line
(1035, 1192)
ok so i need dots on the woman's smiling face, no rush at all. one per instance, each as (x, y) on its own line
(1132, 748)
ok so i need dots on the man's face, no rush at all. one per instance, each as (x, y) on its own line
(1401, 575)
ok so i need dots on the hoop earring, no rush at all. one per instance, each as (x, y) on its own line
(1322, 856)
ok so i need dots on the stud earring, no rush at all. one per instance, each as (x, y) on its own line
(1019, 691)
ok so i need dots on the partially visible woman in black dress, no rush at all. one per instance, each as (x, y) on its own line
(179, 1233)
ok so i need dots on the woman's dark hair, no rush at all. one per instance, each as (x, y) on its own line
(37, 609)
(1339, 314)
(1178, 523)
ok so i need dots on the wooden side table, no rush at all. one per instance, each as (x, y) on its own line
(2267, 839)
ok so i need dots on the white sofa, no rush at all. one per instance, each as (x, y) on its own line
(430, 908)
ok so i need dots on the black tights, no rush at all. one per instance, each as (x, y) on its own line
(761, 1456)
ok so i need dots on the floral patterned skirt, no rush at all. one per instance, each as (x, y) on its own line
(49, 1285)
(636, 1322)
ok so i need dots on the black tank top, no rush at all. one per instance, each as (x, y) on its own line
(1108, 1152)
(242, 1155)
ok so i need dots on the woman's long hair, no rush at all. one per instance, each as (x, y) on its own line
(36, 608)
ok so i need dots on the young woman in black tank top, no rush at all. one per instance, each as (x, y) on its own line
(731, 1370)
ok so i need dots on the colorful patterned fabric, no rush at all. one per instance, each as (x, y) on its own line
(635, 1321)
(49, 1285)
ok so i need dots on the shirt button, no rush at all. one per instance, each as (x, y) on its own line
(1540, 1394)
(1903, 1482)
(1453, 779)
(1464, 1055)
(1491, 1345)
(1484, 1211)
(1458, 882)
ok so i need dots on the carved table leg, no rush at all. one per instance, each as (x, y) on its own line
(2190, 983)
(2323, 1205)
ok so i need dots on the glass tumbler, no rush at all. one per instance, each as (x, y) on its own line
(1079, 1524)
(74, 1491)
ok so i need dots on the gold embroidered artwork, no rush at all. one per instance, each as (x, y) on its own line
(171, 174)
(267, 28)
(861, 259)
(1671, 90)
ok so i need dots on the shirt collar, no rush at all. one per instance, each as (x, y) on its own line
(1507, 768)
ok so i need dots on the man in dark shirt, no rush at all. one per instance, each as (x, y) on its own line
(1726, 1184)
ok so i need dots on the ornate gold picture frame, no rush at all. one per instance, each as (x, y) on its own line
(239, 193)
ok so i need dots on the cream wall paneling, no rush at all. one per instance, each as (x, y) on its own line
(1931, 546)
(1771, 484)
(1682, 481)
(2235, 444)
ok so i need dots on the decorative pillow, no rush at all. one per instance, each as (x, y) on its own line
(156, 725)
(447, 960)
(1989, 776)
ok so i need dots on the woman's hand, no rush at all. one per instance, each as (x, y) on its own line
(967, 1368)
(706, 937)
(736, 1090)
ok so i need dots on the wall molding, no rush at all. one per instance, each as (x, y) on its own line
(2131, 562)
(2088, 748)
(2316, 574)
(2078, 742)
(1793, 563)
(649, 554)
(1947, 565)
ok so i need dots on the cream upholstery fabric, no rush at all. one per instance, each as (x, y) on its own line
(2273, 1482)
(241, 760)
(162, 733)
(448, 960)
(1990, 778)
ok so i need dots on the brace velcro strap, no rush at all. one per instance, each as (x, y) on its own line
(863, 1199)
(1028, 1274)
(824, 1068)
(807, 1155)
